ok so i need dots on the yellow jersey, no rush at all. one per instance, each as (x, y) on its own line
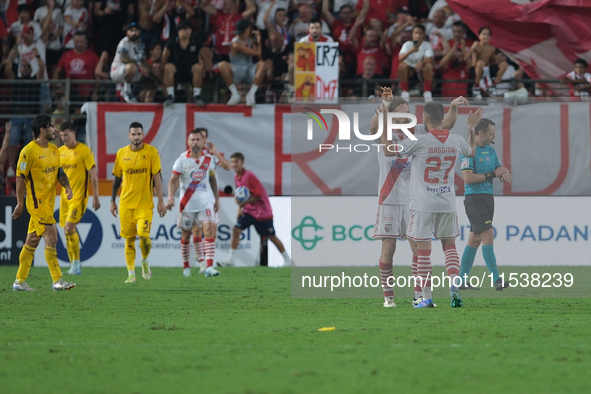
(137, 170)
(76, 163)
(39, 168)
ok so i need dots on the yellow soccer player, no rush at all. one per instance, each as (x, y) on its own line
(37, 170)
(137, 171)
(78, 163)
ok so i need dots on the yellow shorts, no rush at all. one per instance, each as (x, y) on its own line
(135, 222)
(71, 211)
(37, 224)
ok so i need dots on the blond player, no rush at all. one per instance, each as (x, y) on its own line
(37, 170)
(78, 164)
(137, 171)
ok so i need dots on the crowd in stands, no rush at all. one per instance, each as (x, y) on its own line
(172, 50)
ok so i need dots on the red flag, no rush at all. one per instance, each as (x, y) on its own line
(544, 38)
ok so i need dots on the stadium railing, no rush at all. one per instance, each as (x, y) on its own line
(28, 98)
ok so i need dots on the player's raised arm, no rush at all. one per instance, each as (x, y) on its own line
(449, 121)
(114, 191)
(173, 186)
(224, 163)
(472, 121)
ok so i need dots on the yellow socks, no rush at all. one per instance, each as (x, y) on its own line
(25, 261)
(130, 253)
(73, 245)
(54, 266)
(145, 246)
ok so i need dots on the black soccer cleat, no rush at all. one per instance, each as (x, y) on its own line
(499, 285)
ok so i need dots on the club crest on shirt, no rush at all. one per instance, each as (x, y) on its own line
(198, 175)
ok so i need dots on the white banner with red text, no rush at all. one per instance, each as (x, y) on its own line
(546, 146)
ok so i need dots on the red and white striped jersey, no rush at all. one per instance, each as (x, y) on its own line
(432, 187)
(196, 192)
(79, 16)
(394, 179)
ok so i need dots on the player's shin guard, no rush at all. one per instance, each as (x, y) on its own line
(25, 260)
(186, 253)
(130, 253)
(385, 273)
(209, 250)
(198, 244)
(54, 265)
(73, 245)
(424, 271)
(452, 262)
(145, 247)
(491, 261)
(467, 261)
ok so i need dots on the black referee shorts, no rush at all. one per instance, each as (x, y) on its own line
(480, 209)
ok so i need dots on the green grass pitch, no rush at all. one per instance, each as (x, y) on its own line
(242, 332)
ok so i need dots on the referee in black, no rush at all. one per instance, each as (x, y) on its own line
(479, 172)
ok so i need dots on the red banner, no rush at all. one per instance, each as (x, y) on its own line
(544, 38)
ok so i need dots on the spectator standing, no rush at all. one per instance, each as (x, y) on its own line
(371, 45)
(29, 47)
(76, 17)
(438, 32)
(315, 33)
(341, 28)
(56, 26)
(453, 65)
(145, 9)
(24, 19)
(169, 15)
(278, 25)
(78, 63)
(299, 27)
(377, 9)
(114, 16)
(265, 8)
